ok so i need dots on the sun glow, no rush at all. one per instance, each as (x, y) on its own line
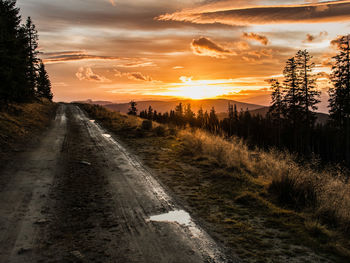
(202, 89)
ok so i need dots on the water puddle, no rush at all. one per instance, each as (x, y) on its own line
(106, 135)
(178, 216)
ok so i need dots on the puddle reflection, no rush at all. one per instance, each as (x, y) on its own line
(178, 216)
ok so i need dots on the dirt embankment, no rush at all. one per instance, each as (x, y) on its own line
(21, 124)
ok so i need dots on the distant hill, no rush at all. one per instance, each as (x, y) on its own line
(99, 102)
(220, 105)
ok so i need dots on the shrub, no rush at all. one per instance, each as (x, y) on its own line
(159, 130)
(146, 125)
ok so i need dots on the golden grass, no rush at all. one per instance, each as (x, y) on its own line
(325, 193)
(19, 121)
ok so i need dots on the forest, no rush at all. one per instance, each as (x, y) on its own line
(22, 73)
(290, 123)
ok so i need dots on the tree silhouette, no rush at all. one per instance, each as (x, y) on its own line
(278, 106)
(19, 63)
(43, 83)
(307, 81)
(339, 101)
(31, 36)
(12, 59)
(132, 109)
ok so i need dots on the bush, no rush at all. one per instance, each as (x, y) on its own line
(294, 190)
(159, 130)
(146, 125)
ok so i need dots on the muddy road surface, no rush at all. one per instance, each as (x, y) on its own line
(80, 196)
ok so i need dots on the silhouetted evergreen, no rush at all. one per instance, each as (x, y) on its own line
(339, 101)
(132, 109)
(43, 83)
(19, 63)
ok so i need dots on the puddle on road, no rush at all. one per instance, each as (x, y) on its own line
(178, 216)
(106, 135)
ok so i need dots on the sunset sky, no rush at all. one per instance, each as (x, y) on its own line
(119, 50)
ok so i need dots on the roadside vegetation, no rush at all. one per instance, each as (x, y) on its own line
(22, 73)
(262, 205)
(20, 122)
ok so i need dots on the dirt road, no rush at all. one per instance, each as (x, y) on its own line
(79, 196)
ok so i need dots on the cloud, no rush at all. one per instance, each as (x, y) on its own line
(138, 76)
(133, 76)
(88, 74)
(72, 56)
(67, 56)
(311, 38)
(253, 36)
(256, 55)
(178, 67)
(206, 47)
(258, 15)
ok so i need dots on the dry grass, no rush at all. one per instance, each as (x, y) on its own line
(325, 193)
(19, 121)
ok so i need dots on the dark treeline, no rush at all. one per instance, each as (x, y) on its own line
(291, 120)
(22, 74)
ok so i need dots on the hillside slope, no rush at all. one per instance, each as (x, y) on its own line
(21, 122)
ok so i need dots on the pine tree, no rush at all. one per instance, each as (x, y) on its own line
(150, 113)
(340, 93)
(339, 101)
(307, 81)
(189, 114)
(31, 35)
(213, 121)
(292, 92)
(12, 60)
(277, 107)
(277, 101)
(43, 83)
(132, 109)
(200, 117)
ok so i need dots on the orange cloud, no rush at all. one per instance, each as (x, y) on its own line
(133, 76)
(331, 11)
(253, 36)
(72, 56)
(206, 47)
(311, 38)
(88, 74)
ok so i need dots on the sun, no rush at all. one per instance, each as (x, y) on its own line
(198, 89)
